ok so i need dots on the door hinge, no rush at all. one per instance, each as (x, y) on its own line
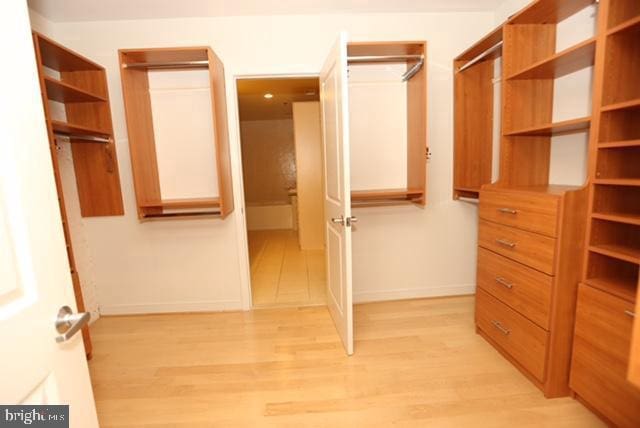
(427, 153)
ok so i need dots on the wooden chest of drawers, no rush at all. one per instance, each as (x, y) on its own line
(529, 264)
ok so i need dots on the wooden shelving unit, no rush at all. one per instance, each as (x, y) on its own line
(552, 129)
(82, 88)
(473, 115)
(371, 53)
(135, 65)
(612, 254)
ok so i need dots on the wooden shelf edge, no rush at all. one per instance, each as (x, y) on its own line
(58, 88)
(616, 144)
(631, 104)
(548, 11)
(552, 129)
(614, 286)
(618, 218)
(627, 25)
(488, 41)
(617, 252)
(618, 181)
(565, 62)
(384, 194)
(187, 203)
(58, 57)
(71, 128)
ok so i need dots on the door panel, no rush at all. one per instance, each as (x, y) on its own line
(34, 270)
(335, 129)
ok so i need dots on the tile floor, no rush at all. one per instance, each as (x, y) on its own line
(281, 273)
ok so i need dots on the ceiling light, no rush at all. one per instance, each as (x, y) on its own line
(268, 96)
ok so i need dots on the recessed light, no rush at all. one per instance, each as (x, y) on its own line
(268, 96)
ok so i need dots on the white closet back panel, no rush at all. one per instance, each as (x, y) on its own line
(378, 121)
(184, 134)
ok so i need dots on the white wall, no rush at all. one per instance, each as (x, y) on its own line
(199, 264)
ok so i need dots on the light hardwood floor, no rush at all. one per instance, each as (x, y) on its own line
(418, 363)
(281, 273)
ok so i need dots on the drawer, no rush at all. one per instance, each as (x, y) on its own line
(531, 249)
(531, 211)
(524, 289)
(516, 335)
(601, 354)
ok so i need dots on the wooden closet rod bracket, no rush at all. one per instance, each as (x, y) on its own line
(481, 56)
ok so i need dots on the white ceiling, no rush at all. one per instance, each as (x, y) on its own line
(97, 10)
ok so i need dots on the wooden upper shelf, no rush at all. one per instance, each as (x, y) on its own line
(625, 105)
(385, 48)
(191, 203)
(65, 93)
(57, 57)
(385, 194)
(562, 63)
(487, 42)
(552, 129)
(165, 55)
(549, 11)
(629, 25)
(69, 128)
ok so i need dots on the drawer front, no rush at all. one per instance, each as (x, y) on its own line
(528, 211)
(601, 355)
(531, 249)
(524, 289)
(519, 337)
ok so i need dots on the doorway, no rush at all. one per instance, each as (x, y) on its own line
(281, 142)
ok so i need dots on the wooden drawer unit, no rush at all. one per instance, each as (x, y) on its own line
(527, 211)
(531, 249)
(516, 335)
(529, 264)
(524, 289)
(601, 355)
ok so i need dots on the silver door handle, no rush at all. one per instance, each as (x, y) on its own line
(69, 323)
(630, 314)
(338, 220)
(508, 210)
(500, 280)
(499, 326)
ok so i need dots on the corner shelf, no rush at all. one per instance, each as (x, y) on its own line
(619, 252)
(617, 218)
(560, 64)
(619, 144)
(55, 56)
(63, 92)
(552, 129)
(618, 181)
(625, 105)
(184, 203)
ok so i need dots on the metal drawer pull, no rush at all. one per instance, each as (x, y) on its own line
(500, 280)
(508, 210)
(506, 243)
(500, 327)
(631, 314)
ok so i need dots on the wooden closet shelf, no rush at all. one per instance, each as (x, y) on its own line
(617, 144)
(551, 129)
(57, 57)
(549, 11)
(66, 93)
(467, 189)
(618, 181)
(632, 24)
(618, 218)
(560, 64)
(384, 194)
(183, 203)
(616, 251)
(620, 287)
(625, 105)
(69, 128)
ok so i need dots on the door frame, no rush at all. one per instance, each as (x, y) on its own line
(241, 226)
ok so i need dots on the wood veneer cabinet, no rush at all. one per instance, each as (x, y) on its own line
(81, 85)
(531, 233)
(135, 65)
(608, 293)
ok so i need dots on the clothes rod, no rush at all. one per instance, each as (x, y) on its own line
(413, 70)
(481, 56)
(465, 199)
(181, 64)
(384, 58)
(90, 138)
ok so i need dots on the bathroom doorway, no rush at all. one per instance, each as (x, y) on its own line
(281, 143)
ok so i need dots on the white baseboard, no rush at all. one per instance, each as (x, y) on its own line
(413, 293)
(161, 308)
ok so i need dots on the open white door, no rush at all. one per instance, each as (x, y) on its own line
(35, 281)
(337, 212)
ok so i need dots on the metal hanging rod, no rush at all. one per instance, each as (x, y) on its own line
(90, 138)
(469, 200)
(392, 58)
(481, 56)
(177, 64)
